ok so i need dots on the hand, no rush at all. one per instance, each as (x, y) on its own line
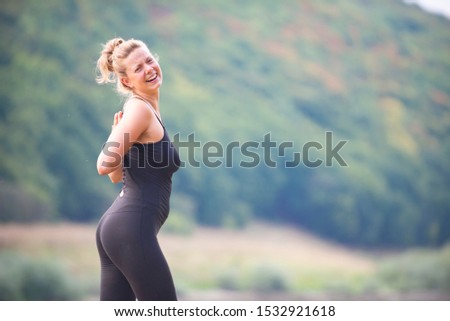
(117, 117)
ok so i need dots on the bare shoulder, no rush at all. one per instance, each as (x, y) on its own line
(136, 107)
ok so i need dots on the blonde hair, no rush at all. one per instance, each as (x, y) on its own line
(110, 65)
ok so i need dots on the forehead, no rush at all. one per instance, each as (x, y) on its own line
(138, 55)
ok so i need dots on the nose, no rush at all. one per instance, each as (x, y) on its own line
(148, 67)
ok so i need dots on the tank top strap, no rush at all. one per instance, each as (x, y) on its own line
(151, 108)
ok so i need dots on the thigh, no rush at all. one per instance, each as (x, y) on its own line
(113, 284)
(150, 275)
(145, 267)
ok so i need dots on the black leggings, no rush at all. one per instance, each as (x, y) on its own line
(132, 263)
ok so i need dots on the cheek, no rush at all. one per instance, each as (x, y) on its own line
(139, 77)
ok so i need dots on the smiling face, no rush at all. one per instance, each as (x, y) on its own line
(143, 73)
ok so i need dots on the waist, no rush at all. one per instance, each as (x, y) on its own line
(155, 194)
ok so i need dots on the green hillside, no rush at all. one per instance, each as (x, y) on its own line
(374, 74)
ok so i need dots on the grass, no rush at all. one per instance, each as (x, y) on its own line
(304, 261)
(259, 262)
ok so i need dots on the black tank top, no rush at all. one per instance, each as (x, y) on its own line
(147, 172)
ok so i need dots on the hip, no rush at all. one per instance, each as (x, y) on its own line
(126, 209)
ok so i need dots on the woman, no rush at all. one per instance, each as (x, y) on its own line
(139, 153)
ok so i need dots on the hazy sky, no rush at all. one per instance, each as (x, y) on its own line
(441, 7)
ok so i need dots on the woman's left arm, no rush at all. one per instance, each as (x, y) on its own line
(116, 175)
(126, 130)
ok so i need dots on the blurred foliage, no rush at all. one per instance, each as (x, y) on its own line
(262, 278)
(235, 71)
(179, 224)
(23, 278)
(416, 270)
(413, 274)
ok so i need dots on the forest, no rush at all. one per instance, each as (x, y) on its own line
(356, 90)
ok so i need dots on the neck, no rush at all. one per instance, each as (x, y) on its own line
(152, 98)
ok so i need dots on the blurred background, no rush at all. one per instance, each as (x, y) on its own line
(374, 73)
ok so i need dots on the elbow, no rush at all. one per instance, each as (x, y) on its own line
(108, 168)
(113, 176)
(103, 170)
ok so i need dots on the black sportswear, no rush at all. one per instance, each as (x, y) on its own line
(132, 263)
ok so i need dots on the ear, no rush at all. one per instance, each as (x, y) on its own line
(126, 82)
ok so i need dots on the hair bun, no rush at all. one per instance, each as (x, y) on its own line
(105, 63)
(108, 51)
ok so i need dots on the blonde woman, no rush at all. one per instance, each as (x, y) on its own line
(139, 153)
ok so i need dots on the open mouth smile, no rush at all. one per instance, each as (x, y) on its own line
(152, 78)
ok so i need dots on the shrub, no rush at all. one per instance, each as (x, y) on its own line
(24, 278)
(417, 270)
(261, 277)
(268, 278)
